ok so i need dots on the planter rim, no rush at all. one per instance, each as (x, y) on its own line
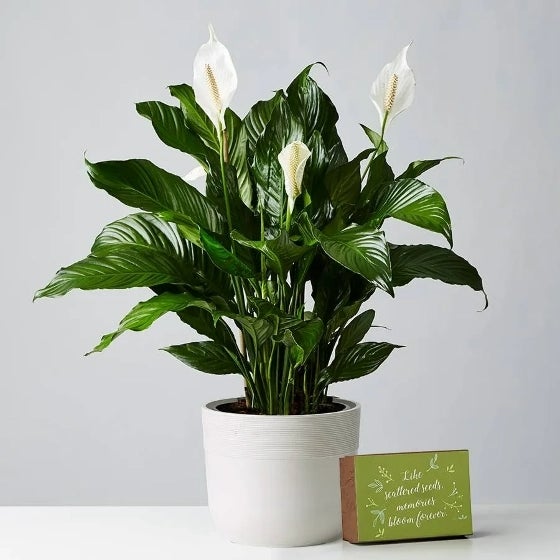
(212, 407)
(261, 436)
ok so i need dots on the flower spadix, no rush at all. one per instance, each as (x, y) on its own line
(214, 80)
(393, 89)
(292, 160)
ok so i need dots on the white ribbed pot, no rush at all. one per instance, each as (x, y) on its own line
(274, 480)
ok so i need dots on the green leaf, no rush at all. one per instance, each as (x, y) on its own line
(186, 227)
(362, 250)
(143, 315)
(259, 329)
(307, 335)
(379, 175)
(416, 168)
(237, 151)
(151, 232)
(139, 250)
(129, 268)
(355, 331)
(315, 198)
(280, 252)
(171, 127)
(362, 359)
(302, 340)
(223, 258)
(412, 201)
(379, 144)
(209, 357)
(197, 120)
(205, 324)
(267, 310)
(142, 184)
(428, 261)
(340, 317)
(295, 351)
(307, 230)
(258, 117)
(317, 113)
(343, 183)
(243, 218)
(140, 230)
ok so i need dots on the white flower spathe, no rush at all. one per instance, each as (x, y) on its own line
(214, 79)
(393, 89)
(292, 160)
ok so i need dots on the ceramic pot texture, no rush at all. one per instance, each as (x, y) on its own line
(274, 480)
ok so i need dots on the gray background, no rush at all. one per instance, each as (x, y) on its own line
(123, 427)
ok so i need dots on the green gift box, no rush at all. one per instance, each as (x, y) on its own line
(402, 496)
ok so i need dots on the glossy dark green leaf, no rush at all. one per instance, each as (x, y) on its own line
(237, 153)
(343, 183)
(355, 331)
(267, 310)
(140, 230)
(129, 268)
(317, 113)
(153, 233)
(170, 125)
(143, 315)
(197, 119)
(340, 317)
(379, 175)
(280, 252)
(139, 250)
(223, 258)
(428, 261)
(412, 201)
(378, 143)
(141, 184)
(205, 324)
(186, 227)
(258, 117)
(416, 168)
(315, 199)
(307, 335)
(362, 250)
(208, 356)
(359, 360)
(258, 328)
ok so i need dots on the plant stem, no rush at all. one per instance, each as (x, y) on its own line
(237, 287)
(288, 218)
(373, 156)
(263, 261)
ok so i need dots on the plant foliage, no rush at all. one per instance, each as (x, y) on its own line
(229, 256)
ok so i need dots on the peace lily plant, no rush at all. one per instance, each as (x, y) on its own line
(286, 244)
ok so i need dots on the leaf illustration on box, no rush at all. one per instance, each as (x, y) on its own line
(385, 474)
(452, 505)
(379, 516)
(433, 463)
(376, 485)
(454, 491)
(371, 503)
(380, 533)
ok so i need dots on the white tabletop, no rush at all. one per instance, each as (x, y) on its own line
(166, 533)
